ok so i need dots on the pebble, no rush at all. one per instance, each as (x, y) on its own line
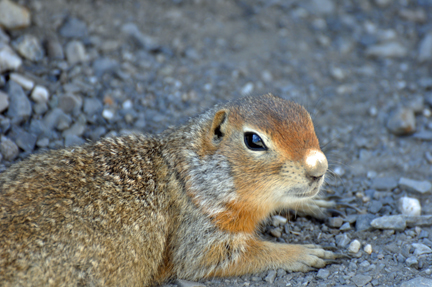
(346, 226)
(29, 47)
(337, 73)
(361, 280)
(54, 49)
(73, 140)
(104, 65)
(70, 103)
(271, 276)
(8, 149)
(43, 142)
(4, 37)
(354, 246)
(247, 89)
(4, 101)
(77, 128)
(417, 15)
(393, 222)
(9, 60)
(40, 108)
(342, 240)
(423, 135)
(335, 222)
(108, 114)
(412, 262)
(92, 106)
(54, 116)
(375, 206)
(74, 28)
(415, 185)
(321, 7)
(40, 94)
(363, 222)
(387, 50)
(23, 139)
(383, 3)
(384, 183)
(368, 249)
(278, 220)
(420, 249)
(425, 48)
(323, 274)
(402, 121)
(24, 82)
(13, 16)
(143, 41)
(75, 52)
(417, 282)
(409, 206)
(276, 232)
(19, 105)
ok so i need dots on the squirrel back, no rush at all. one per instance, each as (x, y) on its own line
(139, 210)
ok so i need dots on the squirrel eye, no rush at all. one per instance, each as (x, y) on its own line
(254, 142)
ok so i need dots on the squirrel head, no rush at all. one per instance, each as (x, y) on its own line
(273, 156)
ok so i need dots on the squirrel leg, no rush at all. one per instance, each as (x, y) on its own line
(317, 208)
(260, 255)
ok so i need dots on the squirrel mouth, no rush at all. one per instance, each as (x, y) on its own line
(305, 194)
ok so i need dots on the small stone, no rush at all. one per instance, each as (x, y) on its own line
(104, 65)
(402, 122)
(425, 48)
(13, 16)
(70, 103)
(276, 232)
(19, 105)
(43, 142)
(384, 183)
(73, 140)
(417, 15)
(40, 94)
(375, 206)
(417, 282)
(415, 185)
(9, 60)
(75, 52)
(321, 7)
(354, 246)
(337, 73)
(368, 249)
(29, 47)
(271, 276)
(40, 108)
(143, 41)
(54, 49)
(428, 156)
(323, 274)
(335, 222)
(346, 226)
(4, 37)
(8, 149)
(185, 283)
(387, 50)
(412, 262)
(23, 139)
(108, 114)
(394, 222)
(423, 135)
(24, 82)
(278, 220)
(92, 106)
(247, 89)
(383, 3)
(409, 206)
(361, 280)
(4, 101)
(74, 28)
(363, 222)
(420, 249)
(281, 273)
(53, 117)
(342, 240)
(77, 129)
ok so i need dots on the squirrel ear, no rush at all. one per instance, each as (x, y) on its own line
(218, 127)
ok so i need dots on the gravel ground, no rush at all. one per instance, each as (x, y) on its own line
(73, 71)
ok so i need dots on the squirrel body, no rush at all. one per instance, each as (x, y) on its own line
(138, 210)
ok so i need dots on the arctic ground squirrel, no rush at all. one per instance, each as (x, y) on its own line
(139, 210)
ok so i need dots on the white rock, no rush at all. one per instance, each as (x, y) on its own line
(9, 60)
(40, 94)
(415, 185)
(337, 73)
(409, 206)
(75, 52)
(108, 114)
(24, 82)
(354, 246)
(387, 50)
(13, 16)
(425, 48)
(421, 249)
(278, 220)
(247, 89)
(127, 104)
(368, 249)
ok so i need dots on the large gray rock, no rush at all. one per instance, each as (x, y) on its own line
(394, 222)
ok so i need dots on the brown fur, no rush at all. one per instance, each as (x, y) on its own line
(139, 210)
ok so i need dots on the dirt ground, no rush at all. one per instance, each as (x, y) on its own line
(354, 64)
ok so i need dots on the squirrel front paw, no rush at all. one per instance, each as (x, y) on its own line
(303, 258)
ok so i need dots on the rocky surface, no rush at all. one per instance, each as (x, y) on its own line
(73, 71)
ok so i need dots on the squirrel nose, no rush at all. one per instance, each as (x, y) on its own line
(315, 164)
